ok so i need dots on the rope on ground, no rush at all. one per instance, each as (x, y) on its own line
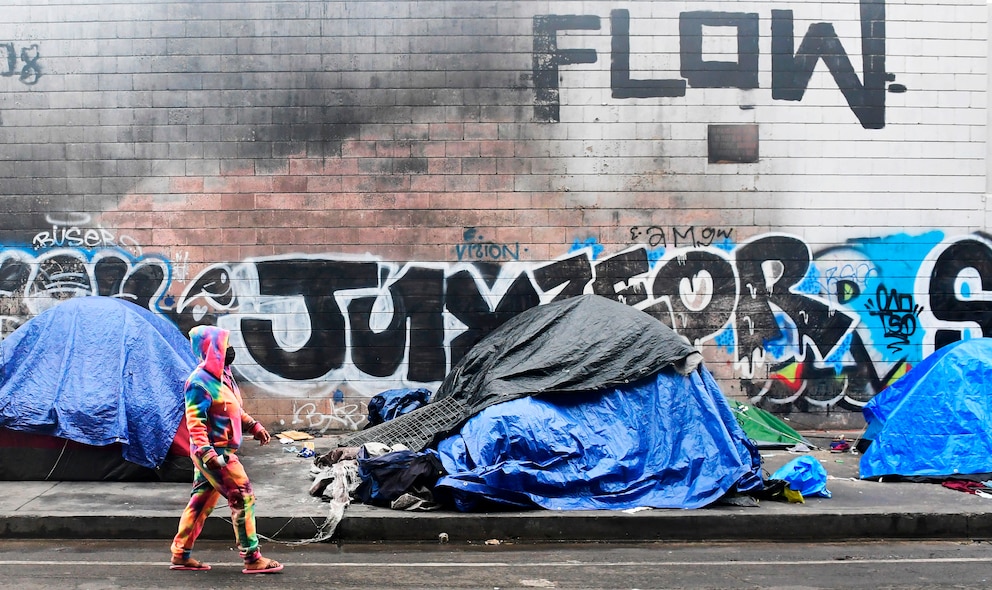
(335, 484)
(324, 531)
(64, 445)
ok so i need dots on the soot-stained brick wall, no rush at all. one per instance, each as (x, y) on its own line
(362, 190)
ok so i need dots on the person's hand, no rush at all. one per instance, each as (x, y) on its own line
(214, 463)
(262, 435)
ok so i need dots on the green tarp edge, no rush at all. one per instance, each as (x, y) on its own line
(765, 428)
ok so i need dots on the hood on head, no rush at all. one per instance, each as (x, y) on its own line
(210, 345)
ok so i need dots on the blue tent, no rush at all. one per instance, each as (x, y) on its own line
(936, 421)
(668, 441)
(98, 371)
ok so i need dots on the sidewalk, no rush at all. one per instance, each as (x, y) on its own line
(287, 513)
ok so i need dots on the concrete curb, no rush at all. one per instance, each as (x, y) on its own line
(713, 524)
(858, 510)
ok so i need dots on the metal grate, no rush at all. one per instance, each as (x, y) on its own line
(415, 429)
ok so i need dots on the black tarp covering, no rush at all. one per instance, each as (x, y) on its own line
(581, 344)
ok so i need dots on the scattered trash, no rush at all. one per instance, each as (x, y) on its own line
(492, 542)
(442, 538)
(740, 500)
(290, 436)
(289, 450)
(540, 583)
(839, 445)
(778, 490)
(805, 475)
(307, 452)
(793, 496)
(637, 509)
(971, 487)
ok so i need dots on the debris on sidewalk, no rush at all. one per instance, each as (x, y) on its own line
(291, 436)
(979, 488)
(805, 475)
(840, 445)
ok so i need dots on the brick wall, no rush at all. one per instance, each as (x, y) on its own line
(362, 190)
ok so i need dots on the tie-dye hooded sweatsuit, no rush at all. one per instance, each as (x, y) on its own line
(216, 420)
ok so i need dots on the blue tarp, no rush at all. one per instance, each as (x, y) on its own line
(805, 475)
(670, 441)
(937, 419)
(389, 404)
(97, 371)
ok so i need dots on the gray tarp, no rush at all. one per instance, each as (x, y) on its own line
(581, 344)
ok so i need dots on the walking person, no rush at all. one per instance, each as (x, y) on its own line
(216, 420)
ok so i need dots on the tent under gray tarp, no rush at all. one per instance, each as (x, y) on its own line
(582, 344)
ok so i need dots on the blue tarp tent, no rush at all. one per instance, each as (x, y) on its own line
(582, 403)
(97, 371)
(669, 441)
(936, 421)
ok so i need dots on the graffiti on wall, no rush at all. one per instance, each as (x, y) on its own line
(791, 68)
(32, 282)
(477, 247)
(74, 231)
(801, 330)
(338, 416)
(678, 237)
(29, 71)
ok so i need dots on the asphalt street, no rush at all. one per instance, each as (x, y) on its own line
(36, 565)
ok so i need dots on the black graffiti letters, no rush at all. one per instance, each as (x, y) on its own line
(898, 314)
(700, 293)
(465, 302)
(403, 323)
(568, 277)
(741, 73)
(320, 315)
(30, 72)
(768, 270)
(323, 326)
(621, 84)
(945, 302)
(614, 274)
(547, 58)
(673, 237)
(791, 73)
(791, 69)
(767, 302)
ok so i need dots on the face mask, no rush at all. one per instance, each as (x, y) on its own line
(229, 357)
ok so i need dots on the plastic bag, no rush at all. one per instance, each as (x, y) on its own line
(805, 475)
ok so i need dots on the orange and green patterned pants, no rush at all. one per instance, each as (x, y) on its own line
(209, 485)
